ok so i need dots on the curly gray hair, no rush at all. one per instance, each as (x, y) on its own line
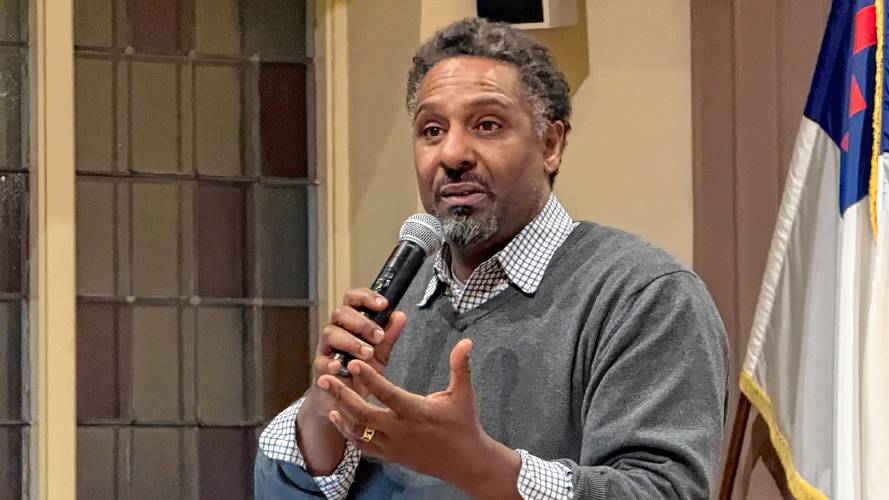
(545, 86)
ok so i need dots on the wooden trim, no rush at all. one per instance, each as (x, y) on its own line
(735, 443)
(332, 98)
(53, 298)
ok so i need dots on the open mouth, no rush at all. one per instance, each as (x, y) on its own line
(462, 194)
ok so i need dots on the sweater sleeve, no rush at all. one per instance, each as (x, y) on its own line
(654, 406)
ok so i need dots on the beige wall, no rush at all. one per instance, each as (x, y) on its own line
(382, 39)
(628, 163)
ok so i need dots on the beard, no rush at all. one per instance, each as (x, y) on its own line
(464, 229)
(463, 226)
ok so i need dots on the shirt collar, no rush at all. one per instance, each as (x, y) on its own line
(525, 258)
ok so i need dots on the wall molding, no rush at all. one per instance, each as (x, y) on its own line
(53, 444)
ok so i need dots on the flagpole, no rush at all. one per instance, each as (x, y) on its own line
(733, 456)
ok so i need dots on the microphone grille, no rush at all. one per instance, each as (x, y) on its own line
(422, 229)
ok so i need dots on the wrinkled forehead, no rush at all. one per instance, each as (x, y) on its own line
(474, 79)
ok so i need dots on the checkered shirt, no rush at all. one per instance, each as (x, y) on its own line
(278, 442)
(522, 262)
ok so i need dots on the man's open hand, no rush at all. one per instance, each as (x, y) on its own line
(439, 435)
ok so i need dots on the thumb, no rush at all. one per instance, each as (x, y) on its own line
(461, 375)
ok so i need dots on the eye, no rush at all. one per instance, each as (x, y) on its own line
(489, 126)
(432, 131)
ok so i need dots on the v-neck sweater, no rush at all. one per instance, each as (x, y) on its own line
(616, 366)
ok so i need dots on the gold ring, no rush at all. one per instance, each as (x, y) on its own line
(368, 434)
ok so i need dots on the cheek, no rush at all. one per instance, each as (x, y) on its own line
(520, 176)
(423, 155)
(425, 175)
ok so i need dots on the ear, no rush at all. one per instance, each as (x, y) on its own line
(553, 143)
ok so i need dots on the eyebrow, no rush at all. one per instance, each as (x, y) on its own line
(475, 103)
(422, 107)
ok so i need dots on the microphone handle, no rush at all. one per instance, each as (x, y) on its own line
(392, 282)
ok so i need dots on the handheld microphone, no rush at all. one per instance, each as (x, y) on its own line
(420, 236)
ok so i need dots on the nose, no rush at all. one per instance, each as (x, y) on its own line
(456, 154)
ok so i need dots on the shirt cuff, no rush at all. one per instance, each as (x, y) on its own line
(278, 442)
(540, 479)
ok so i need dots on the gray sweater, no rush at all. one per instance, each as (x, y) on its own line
(616, 367)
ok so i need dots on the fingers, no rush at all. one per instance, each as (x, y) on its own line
(336, 338)
(396, 324)
(360, 325)
(354, 433)
(364, 297)
(461, 375)
(349, 330)
(356, 414)
(393, 397)
(325, 365)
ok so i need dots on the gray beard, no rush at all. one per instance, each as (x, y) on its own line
(463, 230)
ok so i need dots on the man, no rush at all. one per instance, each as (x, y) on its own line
(534, 356)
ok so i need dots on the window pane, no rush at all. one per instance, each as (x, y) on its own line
(93, 107)
(13, 230)
(11, 462)
(286, 362)
(98, 382)
(154, 117)
(225, 460)
(156, 364)
(275, 29)
(10, 21)
(218, 111)
(160, 26)
(11, 88)
(122, 130)
(282, 96)
(11, 369)
(92, 22)
(155, 240)
(95, 237)
(97, 463)
(282, 224)
(220, 215)
(161, 465)
(221, 345)
(122, 239)
(217, 28)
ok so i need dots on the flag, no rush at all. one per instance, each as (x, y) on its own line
(817, 364)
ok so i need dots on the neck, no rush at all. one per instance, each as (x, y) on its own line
(465, 260)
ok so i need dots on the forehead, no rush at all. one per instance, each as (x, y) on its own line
(468, 77)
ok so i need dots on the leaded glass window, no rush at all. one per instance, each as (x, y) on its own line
(15, 418)
(195, 239)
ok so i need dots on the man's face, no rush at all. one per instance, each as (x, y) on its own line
(481, 166)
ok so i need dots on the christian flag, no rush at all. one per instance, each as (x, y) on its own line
(817, 365)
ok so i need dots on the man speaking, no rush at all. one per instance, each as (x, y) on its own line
(532, 356)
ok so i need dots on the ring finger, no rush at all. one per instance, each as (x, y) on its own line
(366, 438)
